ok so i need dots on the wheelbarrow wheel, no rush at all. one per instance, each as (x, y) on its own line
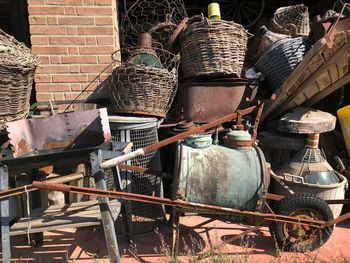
(301, 238)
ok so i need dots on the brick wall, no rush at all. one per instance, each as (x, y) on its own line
(74, 40)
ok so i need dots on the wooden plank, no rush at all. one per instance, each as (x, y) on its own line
(319, 73)
(89, 216)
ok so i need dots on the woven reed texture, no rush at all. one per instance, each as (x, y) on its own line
(279, 61)
(141, 89)
(17, 68)
(267, 38)
(291, 20)
(212, 48)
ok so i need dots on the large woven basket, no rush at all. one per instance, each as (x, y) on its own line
(17, 68)
(291, 20)
(212, 48)
(280, 59)
(145, 90)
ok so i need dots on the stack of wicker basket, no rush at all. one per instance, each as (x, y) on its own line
(285, 45)
(17, 68)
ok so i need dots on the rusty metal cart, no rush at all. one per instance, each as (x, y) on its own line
(301, 221)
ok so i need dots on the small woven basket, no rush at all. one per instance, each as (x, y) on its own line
(17, 69)
(267, 38)
(291, 20)
(279, 61)
(145, 88)
(212, 48)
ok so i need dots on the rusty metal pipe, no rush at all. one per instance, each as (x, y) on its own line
(31, 188)
(176, 203)
(153, 147)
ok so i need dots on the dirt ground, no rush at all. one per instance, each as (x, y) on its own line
(197, 235)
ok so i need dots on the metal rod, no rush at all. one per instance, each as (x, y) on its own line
(153, 147)
(176, 203)
(30, 188)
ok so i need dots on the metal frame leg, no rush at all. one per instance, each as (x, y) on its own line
(5, 216)
(176, 232)
(107, 219)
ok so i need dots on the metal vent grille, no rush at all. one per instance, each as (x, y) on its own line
(142, 217)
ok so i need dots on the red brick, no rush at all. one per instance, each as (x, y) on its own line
(49, 50)
(92, 68)
(64, 2)
(104, 59)
(70, 10)
(95, 11)
(76, 87)
(101, 77)
(42, 78)
(52, 87)
(91, 41)
(74, 95)
(39, 40)
(89, 2)
(69, 40)
(58, 96)
(46, 10)
(47, 30)
(69, 78)
(103, 2)
(79, 60)
(76, 21)
(74, 69)
(44, 60)
(99, 30)
(107, 40)
(96, 50)
(72, 30)
(37, 20)
(53, 69)
(73, 50)
(36, 2)
(55, 59)
(104, 21)
(43, 96)
(52, 20)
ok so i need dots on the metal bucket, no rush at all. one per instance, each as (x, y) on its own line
(222, 176)
(203, 102)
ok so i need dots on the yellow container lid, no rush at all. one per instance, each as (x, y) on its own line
(214, 11)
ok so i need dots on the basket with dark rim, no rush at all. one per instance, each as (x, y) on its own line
(212, 47)
(17, 68)
(291, 20)
(146, 83)
(280, 59)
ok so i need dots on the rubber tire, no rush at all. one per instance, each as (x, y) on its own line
(295, 202)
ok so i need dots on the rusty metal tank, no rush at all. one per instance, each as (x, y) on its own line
(231, 177)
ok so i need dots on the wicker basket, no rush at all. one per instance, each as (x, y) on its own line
(280, 59)
(17, 68)
(267, 38)
(291, 20)
(212, 48)
(145, 90)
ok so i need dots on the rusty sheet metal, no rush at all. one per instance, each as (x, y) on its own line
(204, 102)
(68, 131)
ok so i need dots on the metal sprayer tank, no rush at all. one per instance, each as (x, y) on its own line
(231, 175)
